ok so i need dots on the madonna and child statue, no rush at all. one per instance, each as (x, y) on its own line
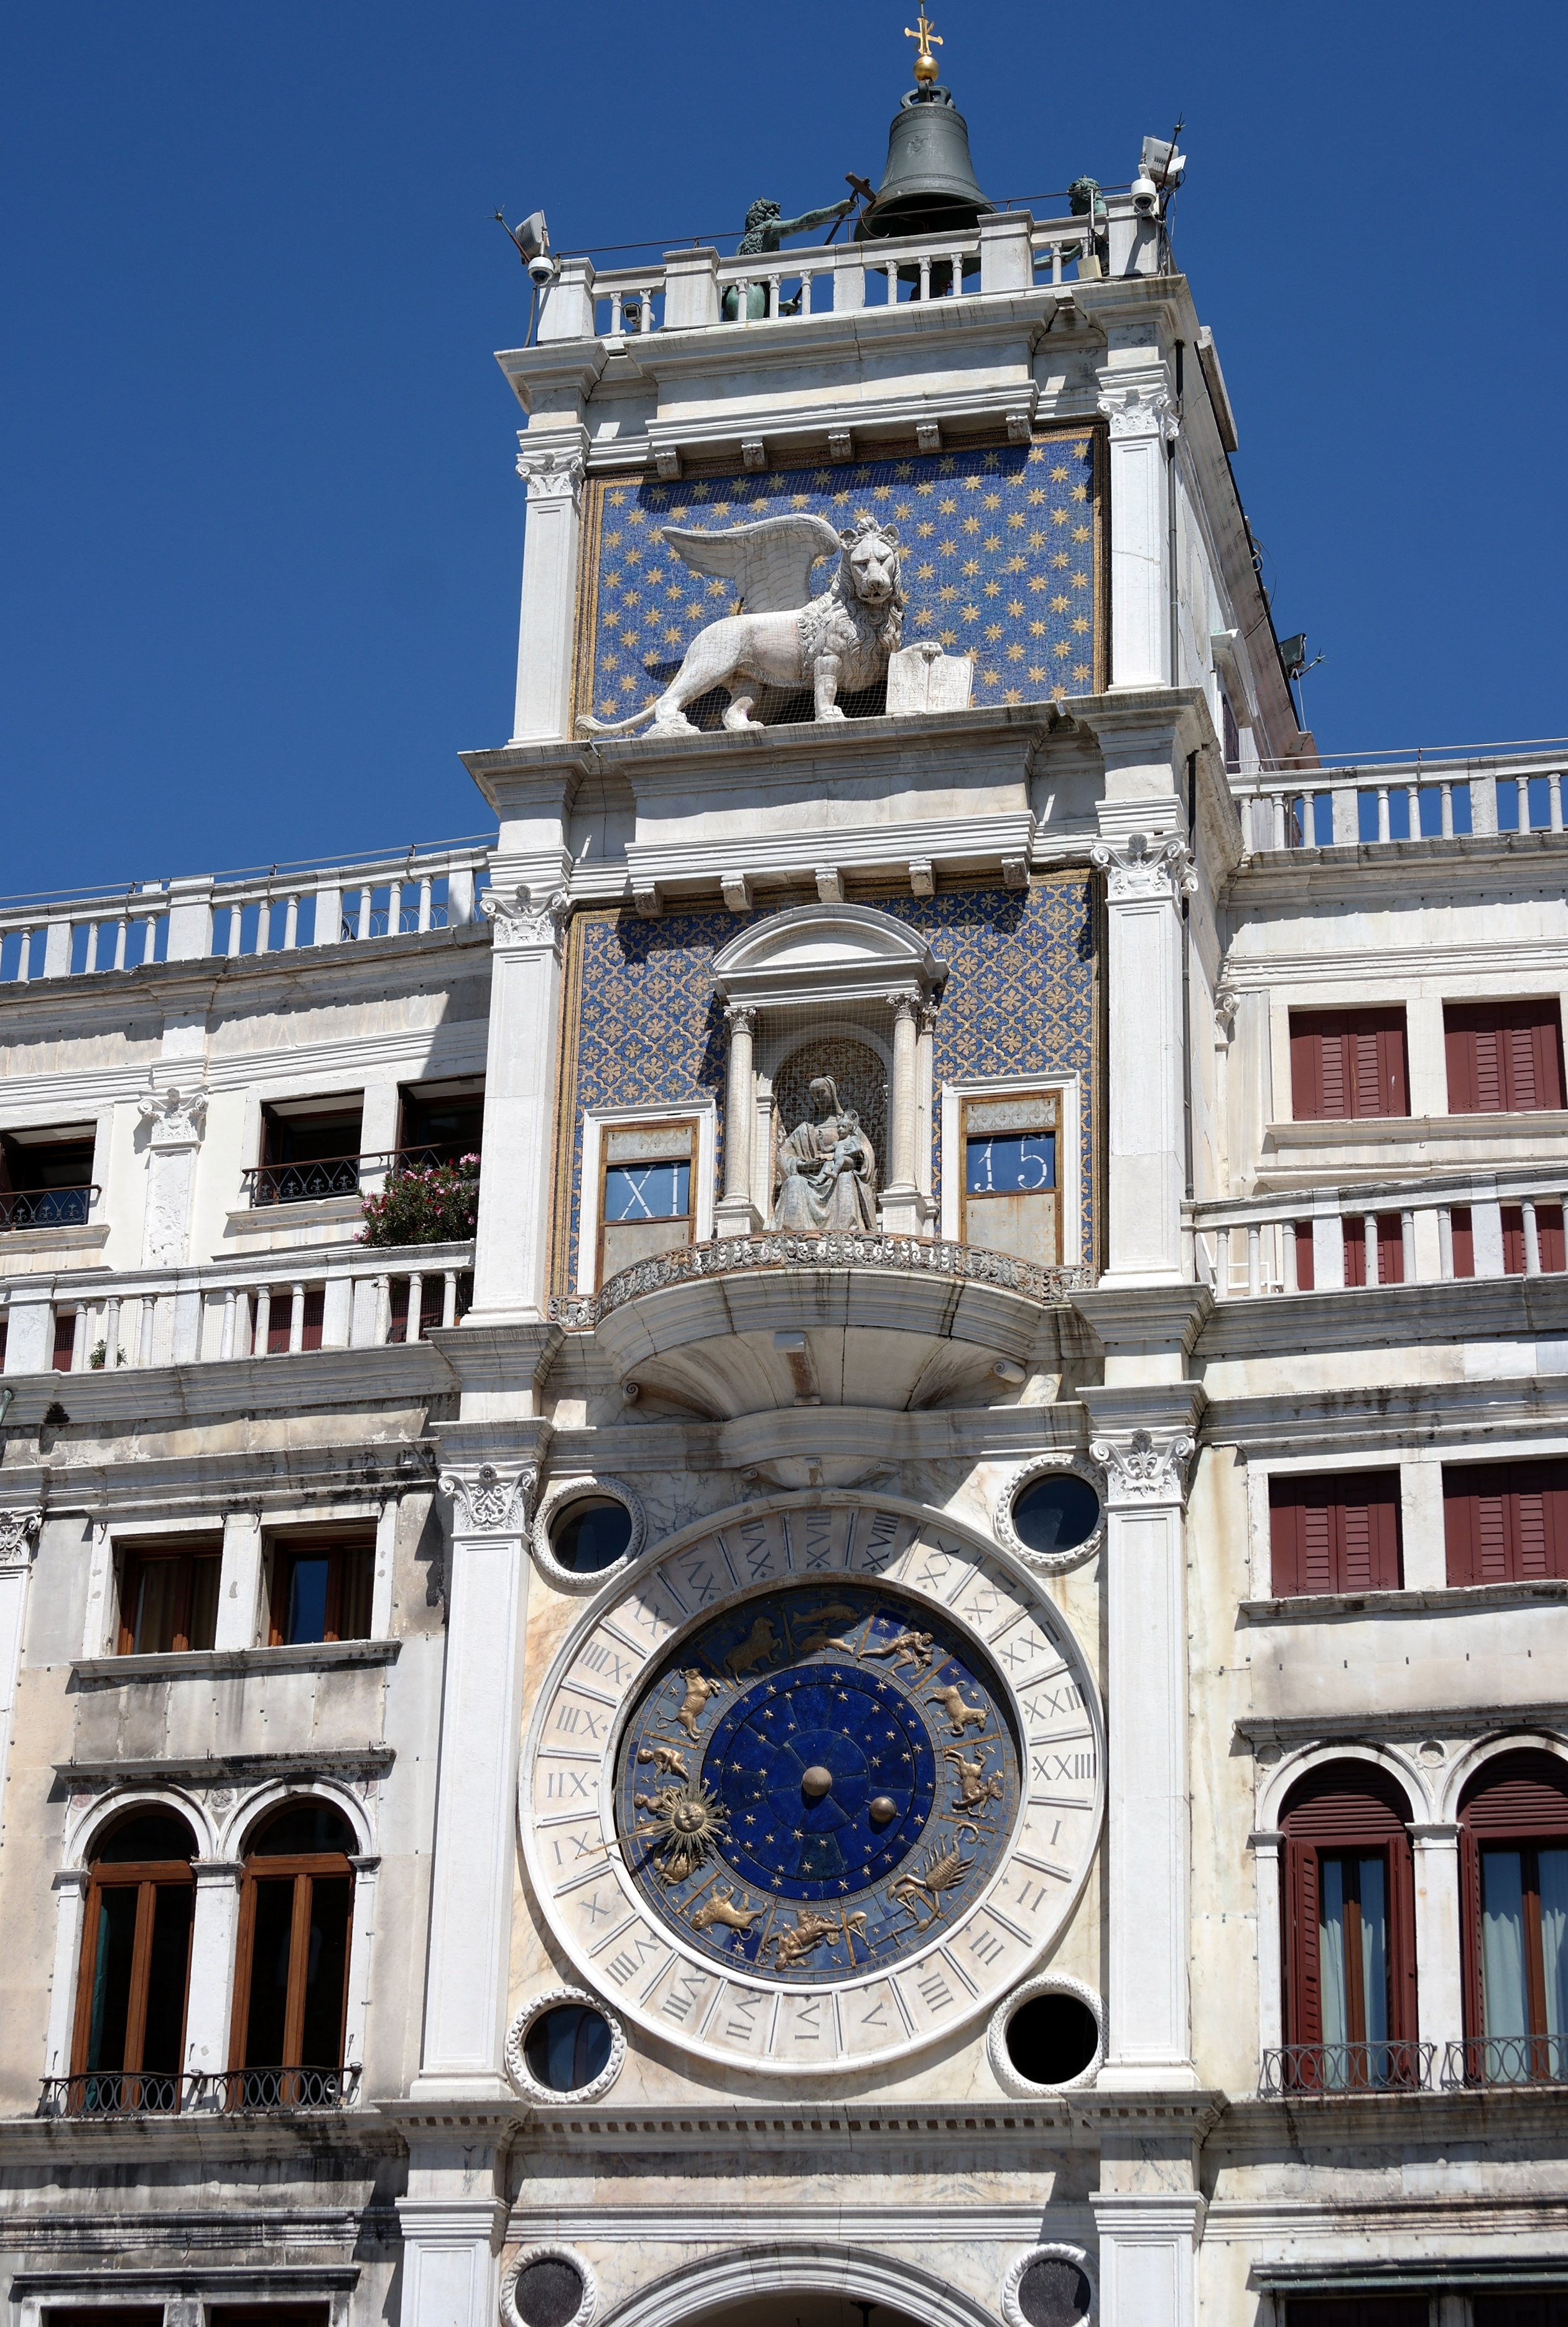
(829, 1172)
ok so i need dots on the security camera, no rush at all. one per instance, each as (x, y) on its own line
(1145, 194)
(542, 268)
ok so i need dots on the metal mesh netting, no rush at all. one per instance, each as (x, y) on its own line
(548, 2293)
(1053, 2293)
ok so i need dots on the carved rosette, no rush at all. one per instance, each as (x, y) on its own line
(525, 2259)
(1145, 868)
(490, 1501)
(549, 2000)
(530, 917)
(1143, 1469)
(18, 1536)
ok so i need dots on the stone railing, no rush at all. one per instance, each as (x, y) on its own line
(213, 916)
(264, 1305)
(1432, 799)
(738, 1255)
(687, 290)
(1447, 1226)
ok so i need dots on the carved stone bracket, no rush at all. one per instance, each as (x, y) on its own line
(1145, 868)
(550, 471)
(1141, 1468)
(490, 1502)
(177, 1117)
(530, 917)
(18, 1536)
(1226, 1001)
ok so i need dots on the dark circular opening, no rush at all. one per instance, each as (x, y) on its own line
(590, 1534)
(548, 2293)
(1052, 2038)
(567, 2049)
(1053, 2293)
(1056, 1513)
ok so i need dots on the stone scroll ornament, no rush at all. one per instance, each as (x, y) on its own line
(817, 1786)
(839, 641)
(18, 1534)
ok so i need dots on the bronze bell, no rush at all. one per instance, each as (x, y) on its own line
(929, 186)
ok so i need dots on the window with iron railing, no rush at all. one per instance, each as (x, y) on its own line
(292, 1967)
(310, 1149)
(1350, 1936)
(46, 1177)
(129, 2029)
(1514, 1880)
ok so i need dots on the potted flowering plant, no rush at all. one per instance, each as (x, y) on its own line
(436, 1204)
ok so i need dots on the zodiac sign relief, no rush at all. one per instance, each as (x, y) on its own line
(944, 1870)
(913, 1648)
(699, 1687)
(719, 1907)
(811, 1930)
(959, 1713)
(666, 1760)
(817, 1635)
(762, 1646)
(976, 1786)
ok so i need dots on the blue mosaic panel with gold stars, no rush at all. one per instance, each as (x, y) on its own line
(817, 1780)
(644, 1026)
(1000, 560)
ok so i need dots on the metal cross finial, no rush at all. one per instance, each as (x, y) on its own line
(925, 62)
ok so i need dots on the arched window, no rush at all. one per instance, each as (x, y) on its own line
(1349, 1932)
(291, 1969)
(1513, 1820)
(129, 2036)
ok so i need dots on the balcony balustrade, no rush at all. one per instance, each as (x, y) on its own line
(1507, 2061)
(1345, 2072)
(111, 2093)
(1372, 806)
(341, 1176)
(47, 1207)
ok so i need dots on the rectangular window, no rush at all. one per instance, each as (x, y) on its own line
(1361, 2310)
(64, 1340)
(645, 1192)
(310, 1147)
(439, 1123)
(1548, 1238)
(1345, 1063)
(1353, 1958)
(1505, 1522)
(169, 1599)
(321, 1589)
(1504, 1058)
(1337, 1531)
(1011, 1177)
(1533, 2306)
(46, 1176)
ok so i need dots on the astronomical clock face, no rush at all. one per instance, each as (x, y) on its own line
(814, 1789)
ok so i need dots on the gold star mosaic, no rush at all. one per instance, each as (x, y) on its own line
(1000, 559)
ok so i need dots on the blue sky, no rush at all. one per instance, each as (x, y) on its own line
(262, 533)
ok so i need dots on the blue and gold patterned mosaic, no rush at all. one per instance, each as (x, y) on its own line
(1000, 560)
(644, 1026)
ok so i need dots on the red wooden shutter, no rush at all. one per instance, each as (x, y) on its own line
(1348, 1806)
(1307, 1046)
(1303, 1990)
(64, 1338)
(1513, 1240)
(1337, 1531)
(1505, 1522)
(1503, 1057)
(1347, 1062)
(314, 1312)
(1306, 1263)
(1390, 1249)
(1354, 1238)
(1549, 1235)
(1464, 1243)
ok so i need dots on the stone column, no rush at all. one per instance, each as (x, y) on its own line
(552, 468)
(1266, 1846)
(1146, 883)
(925, 1054)
(511, 1252)
(19, 1531)
(735, 1214)
(481, 1712)
(1148, 2007)
(239, 1580)
(1135, 398)
(901, 1210)
(453, 2220)
(213, 1925)
(1438, 1978)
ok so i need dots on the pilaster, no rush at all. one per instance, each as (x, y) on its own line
(453, 2220)
(551, 464)
(214, 1924)
(481, 1712)
(1138, 403)
(175, 1115)
(1438, 1978)
(19, 1532)
(511, 1247)
(1146, 880)
(1148, 2256)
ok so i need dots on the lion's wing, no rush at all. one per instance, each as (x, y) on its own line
(769, 562)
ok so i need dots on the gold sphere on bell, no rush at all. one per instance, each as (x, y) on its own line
(925, 66)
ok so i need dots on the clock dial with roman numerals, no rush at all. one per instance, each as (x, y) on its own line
(814, 1785)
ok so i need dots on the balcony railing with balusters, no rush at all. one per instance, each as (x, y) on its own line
(1345, 2072)
(1368, 805)
(344, 1175)
(114, 2093)
(224, 917)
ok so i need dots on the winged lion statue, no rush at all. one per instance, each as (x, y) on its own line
(838, 642)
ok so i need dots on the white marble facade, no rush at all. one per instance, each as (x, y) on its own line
(863, 2143)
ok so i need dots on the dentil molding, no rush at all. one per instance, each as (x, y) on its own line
(1141, 1468)
(18, 1536)
(489, 1502)
(1145, 868)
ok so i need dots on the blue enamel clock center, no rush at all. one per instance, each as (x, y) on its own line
(817, 1782)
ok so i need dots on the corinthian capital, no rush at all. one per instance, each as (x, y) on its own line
(488, 1501)
(1141, 1468)
(550, 470)
(741, 1017)
(1143, 408)
(177, 1116)
(529, 916)
(18, 1534)
(1145, 867)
